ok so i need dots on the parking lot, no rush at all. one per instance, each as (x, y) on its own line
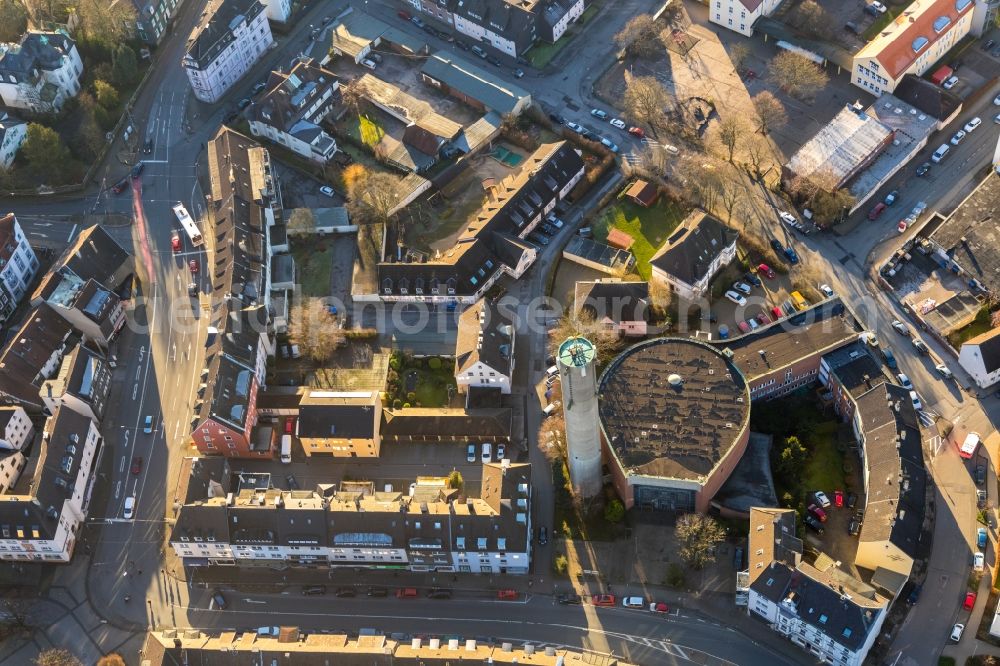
(836, 541)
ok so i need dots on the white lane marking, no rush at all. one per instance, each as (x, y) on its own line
(135, 390)
(118, 489)
(72, 233)
(121, 467)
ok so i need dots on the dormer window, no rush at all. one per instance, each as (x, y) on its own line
(387, 286)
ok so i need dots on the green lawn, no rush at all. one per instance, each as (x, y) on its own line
(313, 265)
(370, 131)
(542, 53)
(825, 469)
(649, 227)
(979, 325)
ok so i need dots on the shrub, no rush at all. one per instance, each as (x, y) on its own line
(675, 576)
(560, 565)
(395, 362)
(411, 396)
(406, 405)
(614, 512)
(361, 334)
(397, 403)
(434, 363)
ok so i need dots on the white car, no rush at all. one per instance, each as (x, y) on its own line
(634, 602)
(973, 124)
(879, 7)
(326, 190)
(501, 451)
(609, 144)
(788, 218)
(617, 122)
(575, 127)
(950, 82)
(996, 118)
(996, 100)
(978, 561)
(487, 452)
(904, 381)
(917, 405)
(129, 508)
(736, 298)
(264, 632)
(822, 499)
(827, 291)
(943, 370)
(957, 139)
(554, 221)
(671, 149)
(742, 287)
(956, 632)
(900, 327)
(470, 454)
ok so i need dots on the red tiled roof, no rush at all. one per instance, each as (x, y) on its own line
(898, 54)
(618, 238)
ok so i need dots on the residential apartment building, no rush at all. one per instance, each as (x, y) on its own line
(83, 382)
(18, 265)
(493, 243)
(231, 37)
(740, 15)
(342, 424)
(40, 72)
(93, 256)
(618, 305)
(980, 357)
(12, 134)
(152, 17)
(484, 346)
(693, 254)
(354, 525)
(32, 355)
(294, 105)
(448, 424)
(93, 310)
(16, 432)
(278, 10)
(919, 37)
(40, 517)
(828, 613)
(509, 26)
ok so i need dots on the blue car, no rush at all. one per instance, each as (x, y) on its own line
(981, 538)
(792, 256)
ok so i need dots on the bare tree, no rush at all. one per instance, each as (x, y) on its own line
(639, 37)
(113, 659)
(738, 54)
(353, 95)
(57, 657)
(107, 22)
(732, 193)
(606, 340)
(821, 194)
(770, 111)
(698, 536)
(700, 177)
(799, 75)
(314, 330)
(758, 151)
(13, 20)
(811, 18)
(646, 102)
(730, 133)
(301, 221)
(373, 198)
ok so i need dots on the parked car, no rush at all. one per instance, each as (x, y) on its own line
(599, 113)
(777, 246)
(904, 381)
(637, 132)
(439, 593)
(879, 7)
(876, 211)
(970, 601)
(821, 499)
(375, 591)
(742, 287)
(617, 122)
(870, 338)
(973, 124)
(557, 119)
(406, 593)
(292, 482)
(950, 82)
(817, 512)
(854, 527)
(814, 524)
(495, 61)
(569, 599)
(956, 632)
(923, 169)
(313, 590)
(752, 279)
(791, 255)
(175, 241)
(417, 22)
(736, 298)
(267, 632)
(633, 602)
(890, 358)
(345, 592)
(978, 561)
(766, 270)
(777, 313)
(487, 454)
(917, 405)
(543, 535)
(900, 327)
(220, 601)
(788, 218)
(763, 319)
(852, 500)
(501, 451)
(752, 323)
(920, 346)
(943, 370)
(470, 454)
(326, 190)
(658, 607)
(891, 198)
(957, 137)
(981, 538)
(743, 326)
(609, 144)
(518, 73)
(827, 291)
(838, 498)
(603, 600)
(575, 127)
(914, 595)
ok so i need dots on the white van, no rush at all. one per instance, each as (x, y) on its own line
(552, 372)
(370, 64)
(549, 409)
(286, 449)
(940, 153)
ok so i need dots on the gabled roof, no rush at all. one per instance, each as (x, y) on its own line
(94, 255)
(37, 49)
(485, 335)
(339, 415)
(841, 147)
(43, 334)
(514, 19)
(772, 538)
(446, 423)
(491, 91)
(289, 96)
(921, 94)
(613, 299)
(989, 348)
(693, 247)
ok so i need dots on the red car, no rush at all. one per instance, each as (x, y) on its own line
(876, 211)
(637, 132)
(743, 326)
(136, 464)
(777, 313)
(193, 265)
(818, 512)
(175, 242)
(603, 600)
(766, 270)
(507, 595)
(970, 601)
(289, 426)
(838, 498)
(658, 607)
(406, 593)
(763, 319)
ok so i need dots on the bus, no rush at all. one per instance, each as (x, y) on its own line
(190, 228)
